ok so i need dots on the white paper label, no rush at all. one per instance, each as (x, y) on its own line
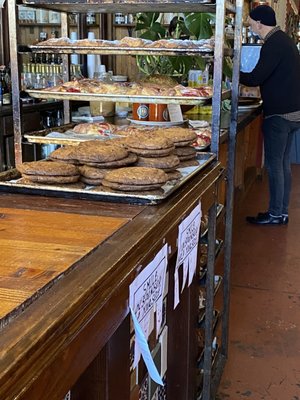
(175, 113)
(187, 243)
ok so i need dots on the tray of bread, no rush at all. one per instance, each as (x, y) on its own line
(143, 168)
(133, 92)
(127, 45)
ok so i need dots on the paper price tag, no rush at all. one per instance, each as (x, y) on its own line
(175, 113)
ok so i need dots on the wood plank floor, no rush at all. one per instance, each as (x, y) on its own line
(36, 247)
(264, 341)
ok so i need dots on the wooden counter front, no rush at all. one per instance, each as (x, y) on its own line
(69, 264)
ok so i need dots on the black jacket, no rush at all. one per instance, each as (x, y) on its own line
(278, 75)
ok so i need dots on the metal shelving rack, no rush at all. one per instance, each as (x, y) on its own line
(211, 373)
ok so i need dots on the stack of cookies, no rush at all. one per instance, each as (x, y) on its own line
(135, 179)
(182, 139)
(46, 172)
(94, 158)
(154, 151)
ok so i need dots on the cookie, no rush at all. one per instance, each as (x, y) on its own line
(51, 168)
(168, 162)
(91, 181)
(50, 179)
(174, 175)
(178, 135)
(99, 152)
(152, 153)
(130, 159)
(129, 188)
(64, 154)
(185, 151)
(137, 176)
(149, 142)
(91, 172)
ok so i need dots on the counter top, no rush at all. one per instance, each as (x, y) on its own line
(66, 266)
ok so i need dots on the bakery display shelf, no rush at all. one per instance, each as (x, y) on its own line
(115, 50)
(126, 6)
(41, 135)
(216, 320)
(44, 94)
(101, 193)
(200, 361)
(220, 213)
(63, 135)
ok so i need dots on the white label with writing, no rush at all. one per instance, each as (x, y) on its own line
(187, 242)
(175, 113)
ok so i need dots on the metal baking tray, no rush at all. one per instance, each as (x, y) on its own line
(63, 135)
(118, 50)
(9, 183)
(44, 94)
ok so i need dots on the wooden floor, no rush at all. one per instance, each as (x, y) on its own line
(264, 348)
(39, 246)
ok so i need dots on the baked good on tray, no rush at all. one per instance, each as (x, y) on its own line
(149, 145)
(167, 163)
(65, 154)
(99, 152)
(49, 172)
(94, 128)
(135, 179)
(91, 175)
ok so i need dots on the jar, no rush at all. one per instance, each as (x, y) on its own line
(119, 18)
(140, 111)
(42, 16)
(158, 112)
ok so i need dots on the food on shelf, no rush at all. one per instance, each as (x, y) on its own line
(203, 137)
(179, 136)
(135, 179)
(150, 145)
(66, 154)
(185, 153)
(49, 172)
(167, 163)
(94, 86)
(173, 44)
(91, 175)
(95, 128)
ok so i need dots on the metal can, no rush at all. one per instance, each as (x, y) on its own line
(140, 111)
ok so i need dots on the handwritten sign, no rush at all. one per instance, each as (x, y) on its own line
(146, 294)
(187, 243)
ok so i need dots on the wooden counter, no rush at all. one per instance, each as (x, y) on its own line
(65, 270)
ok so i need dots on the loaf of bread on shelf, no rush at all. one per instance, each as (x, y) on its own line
(133, 42)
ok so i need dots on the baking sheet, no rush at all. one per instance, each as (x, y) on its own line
(118, 50)
(44, 94)
(101, 193)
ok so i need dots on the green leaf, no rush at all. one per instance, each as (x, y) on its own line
(199, 25)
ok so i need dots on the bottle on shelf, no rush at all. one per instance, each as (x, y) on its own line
(104, 108)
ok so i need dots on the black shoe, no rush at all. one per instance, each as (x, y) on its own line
(285, 219)
(265, 219)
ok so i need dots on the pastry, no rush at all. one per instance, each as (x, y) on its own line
(167, 163)
(135, 179)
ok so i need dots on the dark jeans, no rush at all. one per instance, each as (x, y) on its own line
(278, 136)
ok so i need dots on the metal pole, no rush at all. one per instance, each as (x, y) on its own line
(209, 302)
(218, 72)
(15, 78)
(66, 65)
(230, 174)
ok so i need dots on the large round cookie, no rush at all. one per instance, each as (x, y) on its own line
(168, 162)
(52, 168)
(95, 151)
(137, 176)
